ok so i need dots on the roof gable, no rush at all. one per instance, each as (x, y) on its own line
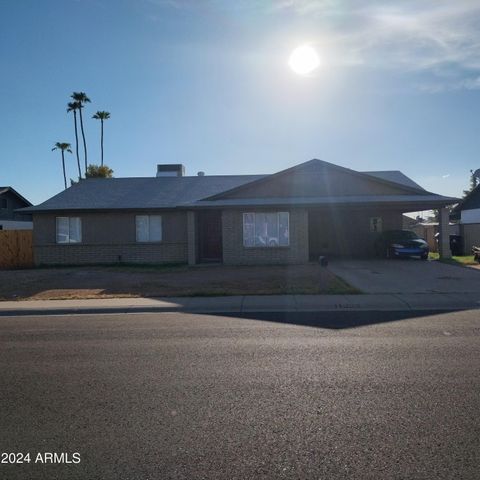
(11, 191)
(471, 201)
(317, 178)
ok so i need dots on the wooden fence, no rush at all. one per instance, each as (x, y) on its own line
(16, 249)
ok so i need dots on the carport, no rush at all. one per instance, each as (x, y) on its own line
(348, 226)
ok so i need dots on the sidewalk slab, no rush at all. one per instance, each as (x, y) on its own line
(250, 303)
(437, 301)
(213, 304)
(312, 303)
(269, 303)
(380, 301)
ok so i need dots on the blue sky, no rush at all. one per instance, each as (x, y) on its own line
(206, 83)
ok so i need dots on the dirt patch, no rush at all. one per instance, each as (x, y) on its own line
(126, 281)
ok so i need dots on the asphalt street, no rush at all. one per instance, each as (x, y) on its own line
(348, 395)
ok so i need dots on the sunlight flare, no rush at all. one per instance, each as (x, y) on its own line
(304, 60)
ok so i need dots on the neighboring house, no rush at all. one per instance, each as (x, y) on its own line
(408, 222)
(467, 213)
(315, 208)
(10, 219)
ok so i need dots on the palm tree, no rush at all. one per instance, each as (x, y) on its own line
(101, 116)
(82, 99)
(73, 107)
(63, 147)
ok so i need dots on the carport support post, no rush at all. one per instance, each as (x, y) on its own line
(444, 240)
(191, 238)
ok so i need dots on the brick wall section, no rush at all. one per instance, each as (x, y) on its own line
(90, 254)
(234, 253)
(109, 238)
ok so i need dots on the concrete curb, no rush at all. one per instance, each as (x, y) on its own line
(246, 304)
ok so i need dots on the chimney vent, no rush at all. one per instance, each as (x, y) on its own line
(170, 170)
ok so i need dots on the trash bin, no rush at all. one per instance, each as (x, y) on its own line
(456, 245)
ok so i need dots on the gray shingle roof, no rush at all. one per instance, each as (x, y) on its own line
(395, 176)
(140, 193)
(204, 191)
(14, 192)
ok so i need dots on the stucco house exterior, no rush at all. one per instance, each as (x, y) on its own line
(10, 218)
(293, 216)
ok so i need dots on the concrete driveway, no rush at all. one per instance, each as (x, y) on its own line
(406, 276)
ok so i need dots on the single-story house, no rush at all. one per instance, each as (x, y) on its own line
(467, 213)
(10, 218)
(293, 216)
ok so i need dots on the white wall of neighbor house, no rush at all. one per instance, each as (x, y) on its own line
(470, 216)
(471, 236)
(15, 225)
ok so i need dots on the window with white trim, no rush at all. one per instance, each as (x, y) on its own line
(148, 228)
(68, 229)
(266, 229)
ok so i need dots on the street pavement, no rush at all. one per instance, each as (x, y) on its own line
(327, 395)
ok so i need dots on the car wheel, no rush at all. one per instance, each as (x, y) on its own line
(424, 256)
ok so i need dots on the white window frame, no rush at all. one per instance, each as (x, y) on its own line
(147, 238)
(268, 244)
(71, 229)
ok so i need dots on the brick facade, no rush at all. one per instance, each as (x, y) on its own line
(77, 254)
(234, 253)
(110, 238)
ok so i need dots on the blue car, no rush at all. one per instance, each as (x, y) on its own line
(401, 243)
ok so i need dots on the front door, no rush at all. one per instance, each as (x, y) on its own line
(210, 236)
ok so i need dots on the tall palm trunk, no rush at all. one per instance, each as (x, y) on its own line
(83, 136)
(76, 144)
(64, 172)
(101, 140)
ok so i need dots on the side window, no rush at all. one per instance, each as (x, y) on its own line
(68, 229)
(148, 228)
(3, 203)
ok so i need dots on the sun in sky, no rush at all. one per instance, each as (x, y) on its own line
(304, 60)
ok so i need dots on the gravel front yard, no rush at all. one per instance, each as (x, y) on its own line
(133, 281)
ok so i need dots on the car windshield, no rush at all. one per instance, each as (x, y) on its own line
(401, 235)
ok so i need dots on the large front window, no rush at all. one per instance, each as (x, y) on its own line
(69, 230)
(149, 228)
(266, 229)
